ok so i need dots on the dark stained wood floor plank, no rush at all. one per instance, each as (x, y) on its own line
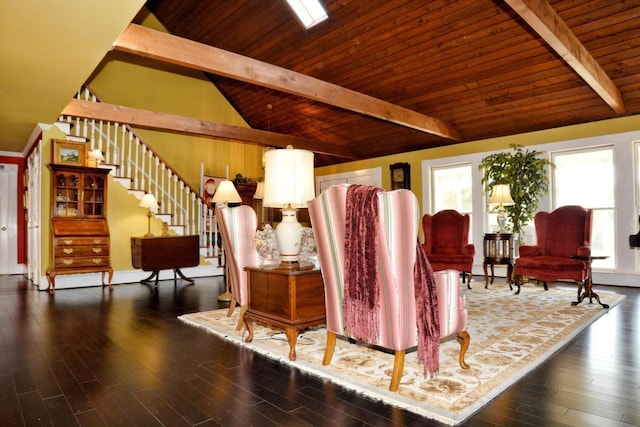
(60, 413)
(93, 357)
(33, 410)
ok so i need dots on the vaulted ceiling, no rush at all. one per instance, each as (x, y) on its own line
(481, 68)
(381, 77)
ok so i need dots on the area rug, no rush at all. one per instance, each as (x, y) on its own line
(510, 335)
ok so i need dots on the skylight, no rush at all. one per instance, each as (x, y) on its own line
(309, 12)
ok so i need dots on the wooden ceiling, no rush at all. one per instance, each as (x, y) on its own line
(480, 68)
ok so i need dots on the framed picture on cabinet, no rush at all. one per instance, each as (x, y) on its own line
(69, 152)
(400, 176)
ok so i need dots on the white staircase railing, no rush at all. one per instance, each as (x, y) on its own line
(132, 159)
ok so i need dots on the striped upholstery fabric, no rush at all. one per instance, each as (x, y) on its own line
(399, 219)
(452, 313)
(238, 226)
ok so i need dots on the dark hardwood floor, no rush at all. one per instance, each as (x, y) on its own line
(92, 357)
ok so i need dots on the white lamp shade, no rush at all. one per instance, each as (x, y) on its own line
(149, 201)
(226, 193)
(96, 155)
(289, 180)
(501, 195)
(259, 194)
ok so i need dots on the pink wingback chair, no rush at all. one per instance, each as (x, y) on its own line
(446, 242)
(561, 234)
(238, 227)
(399, 218)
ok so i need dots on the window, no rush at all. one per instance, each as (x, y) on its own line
(309, 12)
(636, 169)
(586, 178)
(451, 189)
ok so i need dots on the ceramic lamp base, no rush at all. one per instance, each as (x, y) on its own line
(289, 234)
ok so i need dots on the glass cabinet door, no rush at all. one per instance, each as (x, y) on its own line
(79, 194)
(93, 195)
(67, 194)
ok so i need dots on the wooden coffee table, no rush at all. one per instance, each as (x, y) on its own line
(291, 299)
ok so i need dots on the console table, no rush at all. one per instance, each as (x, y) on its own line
(165, 253)
(499, 248)
(285, 298)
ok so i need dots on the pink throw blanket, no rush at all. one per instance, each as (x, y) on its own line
(362, 276)
(426, 313)
(362, 279)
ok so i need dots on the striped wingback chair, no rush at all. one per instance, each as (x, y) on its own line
(399, 216)
(238, 227)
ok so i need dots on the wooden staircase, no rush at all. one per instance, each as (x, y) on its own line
(140, 170)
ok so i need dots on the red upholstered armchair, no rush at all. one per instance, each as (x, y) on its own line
(561, 234)
(446, 242)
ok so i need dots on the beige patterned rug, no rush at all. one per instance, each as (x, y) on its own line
(510, 335)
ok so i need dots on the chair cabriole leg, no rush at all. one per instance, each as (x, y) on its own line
(464, 339)
(232, 306)
(331, 345)
(243, 310)
(398, 367)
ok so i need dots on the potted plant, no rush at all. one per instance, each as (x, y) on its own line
(526, 174)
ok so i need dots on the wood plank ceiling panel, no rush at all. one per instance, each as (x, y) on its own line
(474, 64)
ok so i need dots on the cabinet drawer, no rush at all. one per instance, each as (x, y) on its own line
(86, 251)
(80, 262)
(81, 241)
(79, 227)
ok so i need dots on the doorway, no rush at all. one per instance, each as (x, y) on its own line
(8, 219)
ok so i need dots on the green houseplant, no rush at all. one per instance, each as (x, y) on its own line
(526, 174)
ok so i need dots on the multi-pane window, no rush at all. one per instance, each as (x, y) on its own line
(586, 178)
(451, 189)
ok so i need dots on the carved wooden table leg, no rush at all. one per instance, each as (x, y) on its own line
(249, 323)
(292, 337)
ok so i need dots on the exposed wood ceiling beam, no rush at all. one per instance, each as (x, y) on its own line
(180, 124)
(546, 22)
(154, 44)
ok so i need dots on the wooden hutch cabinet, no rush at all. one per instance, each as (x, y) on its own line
(80, 232)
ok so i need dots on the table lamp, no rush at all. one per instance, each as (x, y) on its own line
(257, 202)
(226, 193)
(95, 157)
(288, 185)
(149, 201)
(259, 194)
(501, 197)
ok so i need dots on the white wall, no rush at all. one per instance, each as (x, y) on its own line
(627, 270)
(371, 176)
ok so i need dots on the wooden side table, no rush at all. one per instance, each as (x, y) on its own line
(588, 284)
(157, 253)
(499, 248)
(285, 298)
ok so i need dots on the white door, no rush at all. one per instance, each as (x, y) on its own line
(34, 243)
(8, 219)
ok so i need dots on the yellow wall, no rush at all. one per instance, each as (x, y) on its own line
(605, 127)
(141, 83)
(124, 216)
(137, 82)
